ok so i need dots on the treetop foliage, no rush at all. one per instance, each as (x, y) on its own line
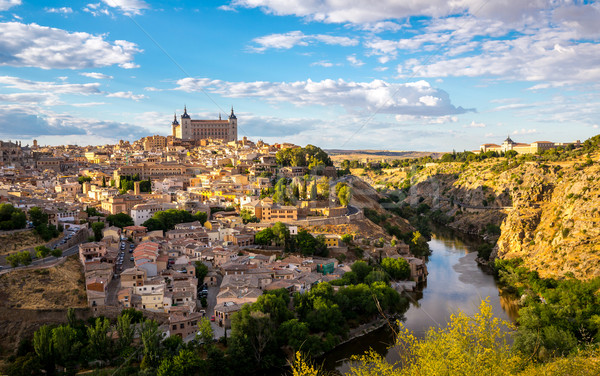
(309, 156)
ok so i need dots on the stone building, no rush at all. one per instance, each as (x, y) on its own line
(196, 130)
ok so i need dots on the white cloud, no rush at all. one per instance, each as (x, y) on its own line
(126, 95)
(64, 10)
(474, 125)
(524, 131)
(354, 61)
(46, 99)
(298, 38)
(50, 87)
(87, 104)
(414, 98)
(7, 4)
(97, 76)
(227, 8)
(44, 47)
(322, 63)
(128, 7)
(380, 27)
(366, 11)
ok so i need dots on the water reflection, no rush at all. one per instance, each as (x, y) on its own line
(455, 283)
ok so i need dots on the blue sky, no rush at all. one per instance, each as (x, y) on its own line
(387, 74)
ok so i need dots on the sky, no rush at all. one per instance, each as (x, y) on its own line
(428, 75)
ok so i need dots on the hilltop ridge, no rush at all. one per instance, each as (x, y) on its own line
(539, 208)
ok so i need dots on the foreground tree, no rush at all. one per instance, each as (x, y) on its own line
(467, 346)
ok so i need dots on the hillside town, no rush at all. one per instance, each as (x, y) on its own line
(213, 259)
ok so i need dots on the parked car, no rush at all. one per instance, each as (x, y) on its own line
(212, 318)
(131, 258)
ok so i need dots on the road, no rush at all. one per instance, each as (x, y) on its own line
(115, 284)
(40, 262)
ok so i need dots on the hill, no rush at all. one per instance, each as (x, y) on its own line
(543, 209)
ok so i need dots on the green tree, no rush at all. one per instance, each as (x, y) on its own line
(361, 269)
(56, 252)
(24, 257)
(98, 340)
(264, 237)
(201, 270)
(120, 220)
(153, 224)
(275, 306)
(205, 331)
(41, 251)
(125, 330)
(281, 233)
(37, 216)
(13, 260)
(97, 227)
(11, 218)
(64, 342)
(347, 239)
(253, 331)
(150, 336)
(323, 188)
(313, 191)
(248, 217)
(397, 268)
(42, 345)
(293, 333)
(344, 195)
(84, 179)
(467, 346)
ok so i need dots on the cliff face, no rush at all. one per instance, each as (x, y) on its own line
(548, 213)
(554, 225)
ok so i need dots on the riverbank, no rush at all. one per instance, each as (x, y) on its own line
(455, 283)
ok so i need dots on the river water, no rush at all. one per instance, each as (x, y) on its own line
(455, 283)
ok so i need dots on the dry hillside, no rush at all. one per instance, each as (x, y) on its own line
(548, 211)
(57, 287)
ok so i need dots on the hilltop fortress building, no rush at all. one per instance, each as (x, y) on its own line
(521, 148)
(189, 129)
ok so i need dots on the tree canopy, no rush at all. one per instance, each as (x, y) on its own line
(167, 219)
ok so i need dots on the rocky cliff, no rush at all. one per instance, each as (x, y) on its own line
(548, 212)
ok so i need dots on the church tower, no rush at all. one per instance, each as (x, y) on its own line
(174, 125)
(232, 131)
(186, 125)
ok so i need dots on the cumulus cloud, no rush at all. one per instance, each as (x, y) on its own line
(7, 4)
(46, 99)
(97, 76)
(50, 87)
(96, 9)
(473, 124)
(413, 98)
(128, 7)
(354, 61)
(322, 63)
(33, 125)
(63, 10)
(551, 56)
(298, 38)
(364, 11)
(126, 95)
(36, 122)
(32, 45)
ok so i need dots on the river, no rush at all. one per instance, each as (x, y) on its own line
(455, 282)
